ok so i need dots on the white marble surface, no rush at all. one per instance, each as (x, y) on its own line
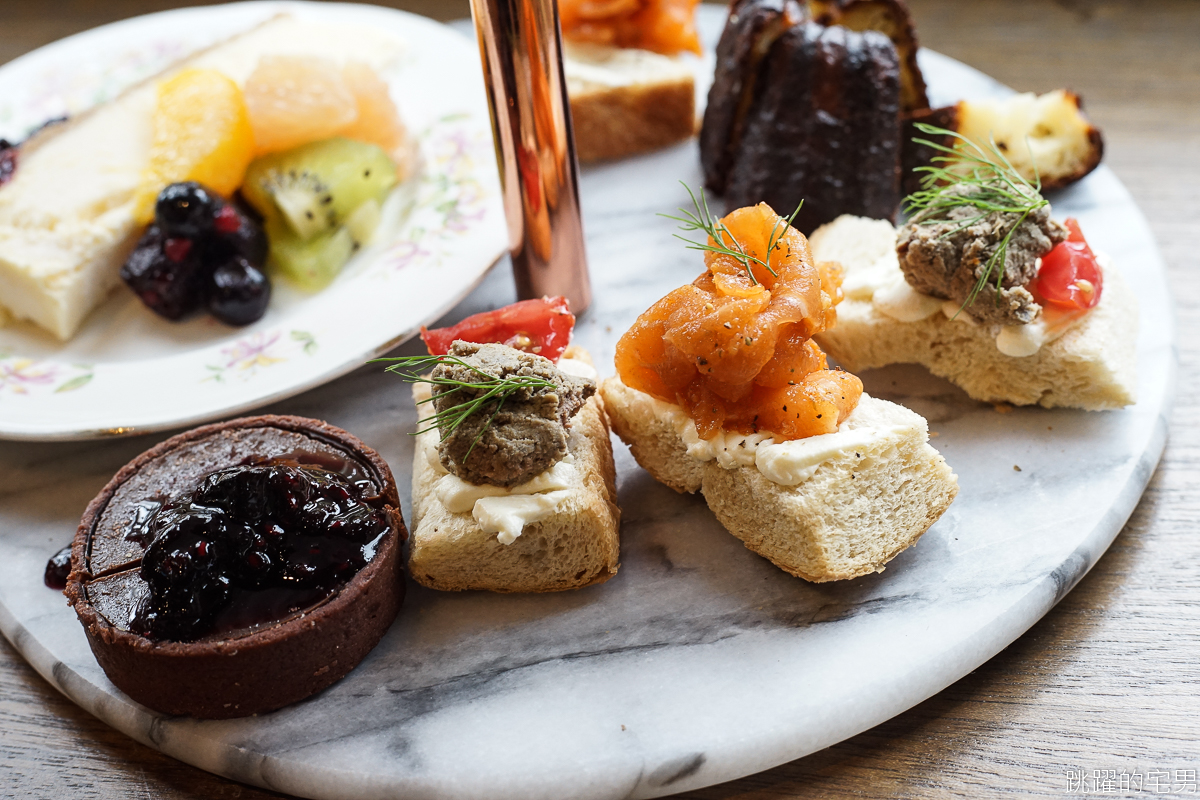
(700, 662)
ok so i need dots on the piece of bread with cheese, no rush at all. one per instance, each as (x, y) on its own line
(570, 538)
(626, 101)
(1090, 365)
(847, 506)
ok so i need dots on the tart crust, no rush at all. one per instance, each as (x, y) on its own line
(272, 665)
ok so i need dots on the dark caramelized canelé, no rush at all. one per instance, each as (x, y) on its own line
(799, 111)
(239, 567)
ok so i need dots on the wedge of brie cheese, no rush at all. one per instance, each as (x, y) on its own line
(67, 216)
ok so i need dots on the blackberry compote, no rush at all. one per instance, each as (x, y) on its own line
(57, 569)
(240, 567)
(8, 161)
(249, 528)
(201, 251)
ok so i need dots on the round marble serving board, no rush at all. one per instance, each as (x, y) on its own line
(699, 662)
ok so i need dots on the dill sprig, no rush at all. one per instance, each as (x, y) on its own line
(701, 219)
(994, 186)
(496, 390)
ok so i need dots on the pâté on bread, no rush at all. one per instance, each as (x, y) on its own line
(1009, 304)
(514, 485)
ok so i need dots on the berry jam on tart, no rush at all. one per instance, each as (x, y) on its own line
(239, 567)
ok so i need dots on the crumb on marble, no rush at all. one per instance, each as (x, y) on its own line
(1002, 408)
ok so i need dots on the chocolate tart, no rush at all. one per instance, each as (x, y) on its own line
(270, 647)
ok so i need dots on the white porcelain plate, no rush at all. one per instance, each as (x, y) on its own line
(128, 371)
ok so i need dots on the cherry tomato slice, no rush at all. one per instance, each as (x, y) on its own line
(1070, 277)
(1076, 233)
(542, 327)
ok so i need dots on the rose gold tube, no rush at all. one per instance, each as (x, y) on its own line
(521, 48)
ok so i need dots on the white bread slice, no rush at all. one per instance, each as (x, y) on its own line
(626, 101)
(1091, 366)
(577, 546)
(855, 513)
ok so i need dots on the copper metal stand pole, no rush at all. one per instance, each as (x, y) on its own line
(521, 48)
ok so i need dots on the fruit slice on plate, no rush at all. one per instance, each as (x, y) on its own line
(202, 133)
(312, 264)
(294, 100)
(378, 120)
(320, 201)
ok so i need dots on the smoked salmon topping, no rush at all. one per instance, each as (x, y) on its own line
(735, 348)
(664, 26)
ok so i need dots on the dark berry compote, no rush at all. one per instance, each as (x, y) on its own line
(201, 251)
(251, 544)
(8, 161)
(58, 568)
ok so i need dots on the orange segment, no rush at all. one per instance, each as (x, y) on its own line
(378, 121)
(201, 133)
(295, 100)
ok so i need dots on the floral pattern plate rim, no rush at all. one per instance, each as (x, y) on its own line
(127, 372)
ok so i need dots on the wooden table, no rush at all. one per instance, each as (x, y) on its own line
(1108, 680)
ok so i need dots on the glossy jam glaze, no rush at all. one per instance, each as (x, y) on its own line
(252, 544)
(57, 569)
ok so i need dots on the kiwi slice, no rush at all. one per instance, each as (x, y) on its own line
(363, 221)
(313, 263)
(315, 187)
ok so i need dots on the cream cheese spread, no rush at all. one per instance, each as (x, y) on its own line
(793, 462)
(1020, 341)
(787, 463)
(577, 367)
(507, 516)
(589, 66)
(504, 512)
(902, 302)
